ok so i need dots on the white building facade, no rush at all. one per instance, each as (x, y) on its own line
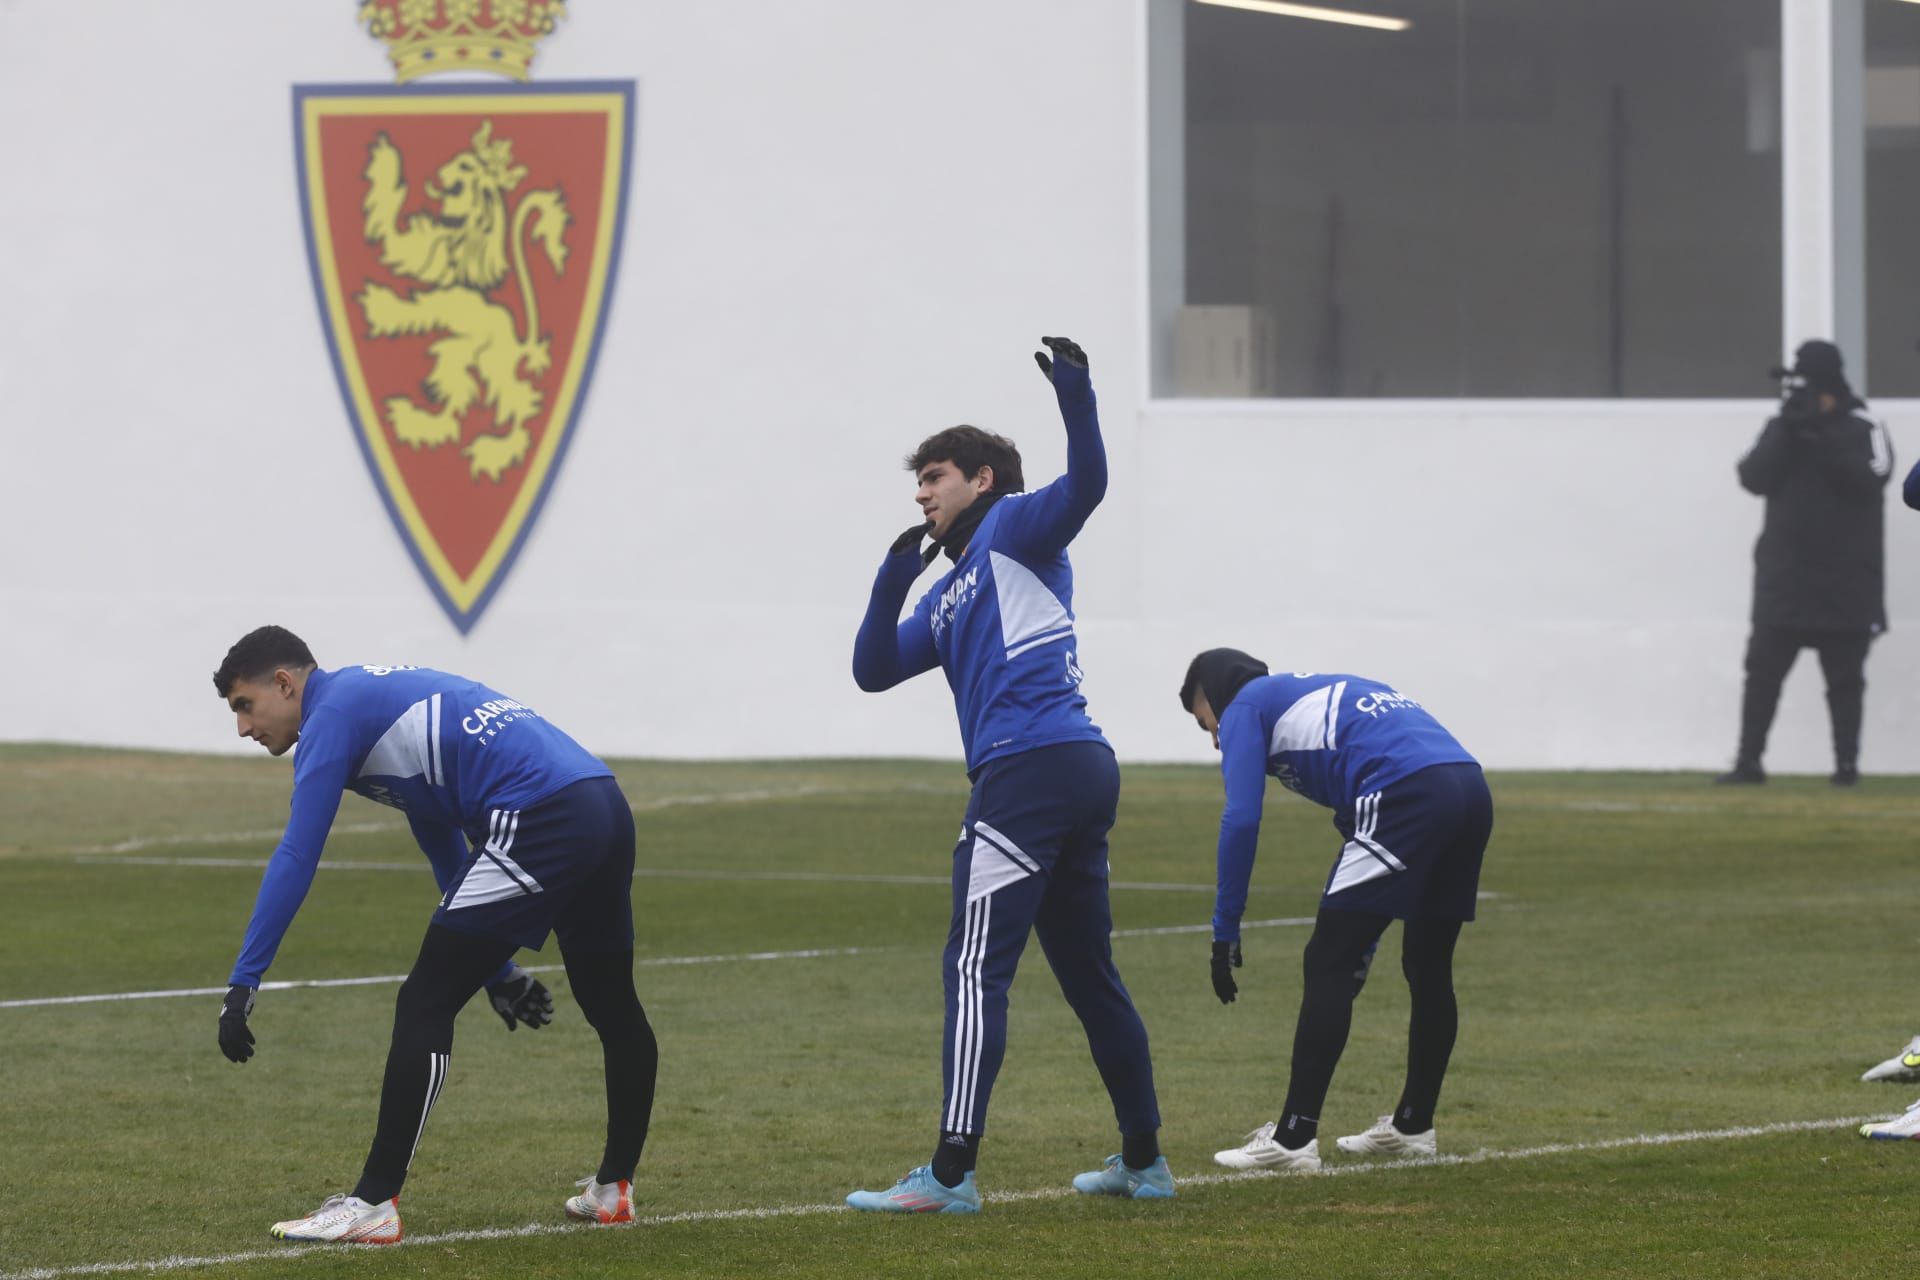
(1496, 470)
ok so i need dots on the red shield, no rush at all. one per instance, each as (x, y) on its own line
(464, 244)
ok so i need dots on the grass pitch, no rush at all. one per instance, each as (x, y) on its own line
(1659, 956)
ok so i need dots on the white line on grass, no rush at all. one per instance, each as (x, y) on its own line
(648, 962)
(655, 873)
(181, 1263)
(1688, 808)
(753, 796)
(645, 873)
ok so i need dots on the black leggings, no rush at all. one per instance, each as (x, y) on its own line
(452, 966)
(1337, 958)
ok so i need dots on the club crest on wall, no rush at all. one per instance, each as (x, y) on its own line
(463, 238)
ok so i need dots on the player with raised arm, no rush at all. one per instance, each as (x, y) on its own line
(1413, 813)
(1032, 854)
(527, 834)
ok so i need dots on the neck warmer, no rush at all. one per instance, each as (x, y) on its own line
(960, 532)
(1220, 674)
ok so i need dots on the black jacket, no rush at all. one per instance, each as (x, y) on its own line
(1820, 559)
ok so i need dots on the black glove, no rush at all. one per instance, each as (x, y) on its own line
(910, 540)
(1226, 958)
(236, 1041)
(519, 997)
(1065, 348)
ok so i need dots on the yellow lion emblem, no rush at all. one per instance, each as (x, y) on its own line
(457, 256)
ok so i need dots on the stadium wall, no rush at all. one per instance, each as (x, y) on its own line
(848, 221)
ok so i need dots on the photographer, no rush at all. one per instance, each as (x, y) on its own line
(1821, 464)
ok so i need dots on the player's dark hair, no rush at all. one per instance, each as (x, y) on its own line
(970, 448)
(258, 654)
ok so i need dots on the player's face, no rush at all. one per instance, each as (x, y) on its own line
(944, 493)
(268, 711)
(1209, 723)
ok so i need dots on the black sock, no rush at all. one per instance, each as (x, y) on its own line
(1335, 958)
(450, 968)
(632, 1065)
(1433, 1023)
(1295, 1130)
(1139, 1150)
(955, 1157)
(602, 983)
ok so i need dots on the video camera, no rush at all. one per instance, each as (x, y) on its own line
(1797, 396)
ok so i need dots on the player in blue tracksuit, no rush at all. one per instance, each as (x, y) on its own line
(527, 834)
(1904, 1066)
(1414, 815)
(1032, 854)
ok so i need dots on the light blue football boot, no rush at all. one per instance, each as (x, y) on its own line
(1155, 1182)
(920, 1192)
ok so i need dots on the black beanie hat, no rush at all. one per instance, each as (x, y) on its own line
(1220, 674)
(1819, 363)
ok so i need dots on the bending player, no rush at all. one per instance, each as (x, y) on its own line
(1414, 814)
(552, 850)
(1904, 1066)
(1033, 845)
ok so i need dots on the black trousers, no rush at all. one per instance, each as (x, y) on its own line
(1335, 965)
(452, 968)
(1771, 652)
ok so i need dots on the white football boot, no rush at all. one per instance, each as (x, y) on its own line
(1903, 1126)
(1385, 1140)
(345, 1220)
(610, 1203)
(1260, 1151)
(1903, 1066)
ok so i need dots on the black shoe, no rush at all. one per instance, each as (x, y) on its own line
(1845, 776)
(1742, 774)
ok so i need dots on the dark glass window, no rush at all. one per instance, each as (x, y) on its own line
(1892, 110)
(1507, 198)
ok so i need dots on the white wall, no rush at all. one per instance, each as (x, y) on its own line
(849, 220)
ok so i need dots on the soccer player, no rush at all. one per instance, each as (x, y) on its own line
(1033, 845)
(551, 850)
(1904, 1066)
(1414, 814)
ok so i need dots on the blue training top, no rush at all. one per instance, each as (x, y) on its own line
(1000, 623)
(441, 748)
(1333, 739)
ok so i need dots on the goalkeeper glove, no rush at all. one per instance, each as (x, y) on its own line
(1226, 958)
(1064, 348)
(236, 1040)
(519, 997)
(910, 540)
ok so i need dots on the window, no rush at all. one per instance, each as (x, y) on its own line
(1891, 91)
(1551, 198)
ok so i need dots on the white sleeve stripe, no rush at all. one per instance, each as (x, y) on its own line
(1882, 462)
(433, 742)
(1037, 641)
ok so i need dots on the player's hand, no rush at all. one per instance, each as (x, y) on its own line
(910, 540)
(236, 1040)
(1065, 350)
(1226, 958)
(519, 997)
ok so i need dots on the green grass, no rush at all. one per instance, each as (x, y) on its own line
(1660, 956)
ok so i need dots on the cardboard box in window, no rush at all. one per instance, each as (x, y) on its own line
(1223, 351)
